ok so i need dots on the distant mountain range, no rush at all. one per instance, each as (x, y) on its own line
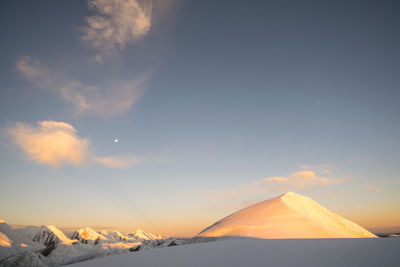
(287, 216)
(48, 246)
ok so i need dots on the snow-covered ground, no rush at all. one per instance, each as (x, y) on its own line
(264, 252)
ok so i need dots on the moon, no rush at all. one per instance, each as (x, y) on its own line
(116, 140)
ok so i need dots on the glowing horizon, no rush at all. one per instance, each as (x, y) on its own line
(192, 227)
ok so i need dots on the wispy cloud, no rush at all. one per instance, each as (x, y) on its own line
(118, 162)
(50, 142)
(111, 100)
(304, 179)
(116, 24)
(115, 99)
(372, 188)
(32, 70)
(57, 143)
(128, 160)
(324, 169)
(299, 180)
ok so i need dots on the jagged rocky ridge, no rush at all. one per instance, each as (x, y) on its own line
(48, 246)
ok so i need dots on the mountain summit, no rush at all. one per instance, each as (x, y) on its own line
(49, 234)
(287, 216)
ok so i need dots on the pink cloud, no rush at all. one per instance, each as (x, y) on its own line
(305, 179)
(50, 142)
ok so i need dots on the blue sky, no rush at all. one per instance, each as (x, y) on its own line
(211, 101)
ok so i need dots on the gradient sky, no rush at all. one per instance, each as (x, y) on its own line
(215, 104)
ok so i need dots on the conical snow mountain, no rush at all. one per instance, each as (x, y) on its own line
(288, 216)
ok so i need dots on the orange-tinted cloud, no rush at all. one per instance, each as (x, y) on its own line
(57, 143)
(128, 160)
(323, 169)
(304, 179)
(279, 180)
(119, 162)
(295, 181)
(50, 142)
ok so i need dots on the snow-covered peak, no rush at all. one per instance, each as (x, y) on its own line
(142, 235)
(88, 235)
(5, 241)
(287, 216)
(4, 227)
(10, 233)
(49, 234)
(290, 193)
(116, 236)
(322, 216)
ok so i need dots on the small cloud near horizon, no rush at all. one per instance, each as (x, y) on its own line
(372, 188)
(127, 160)
(300, 180)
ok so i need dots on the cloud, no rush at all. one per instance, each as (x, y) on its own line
(128, 160)
(372, 188)
(295, 180)
(118, 162)
(325, 169)
(50, 142)
(279, 180)
(304, 179)
(57, 143)
(300, 180)
(114, 99)
(32, 70)
(105, 101)
(118, 23)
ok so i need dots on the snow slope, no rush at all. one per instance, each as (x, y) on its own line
(5, 241)
(7, 231)
(27, 232)
(264, 252)
(49, 234)
(26, 258)
(12, 242)
(288, 216)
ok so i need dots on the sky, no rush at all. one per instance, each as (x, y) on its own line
(169, 115)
